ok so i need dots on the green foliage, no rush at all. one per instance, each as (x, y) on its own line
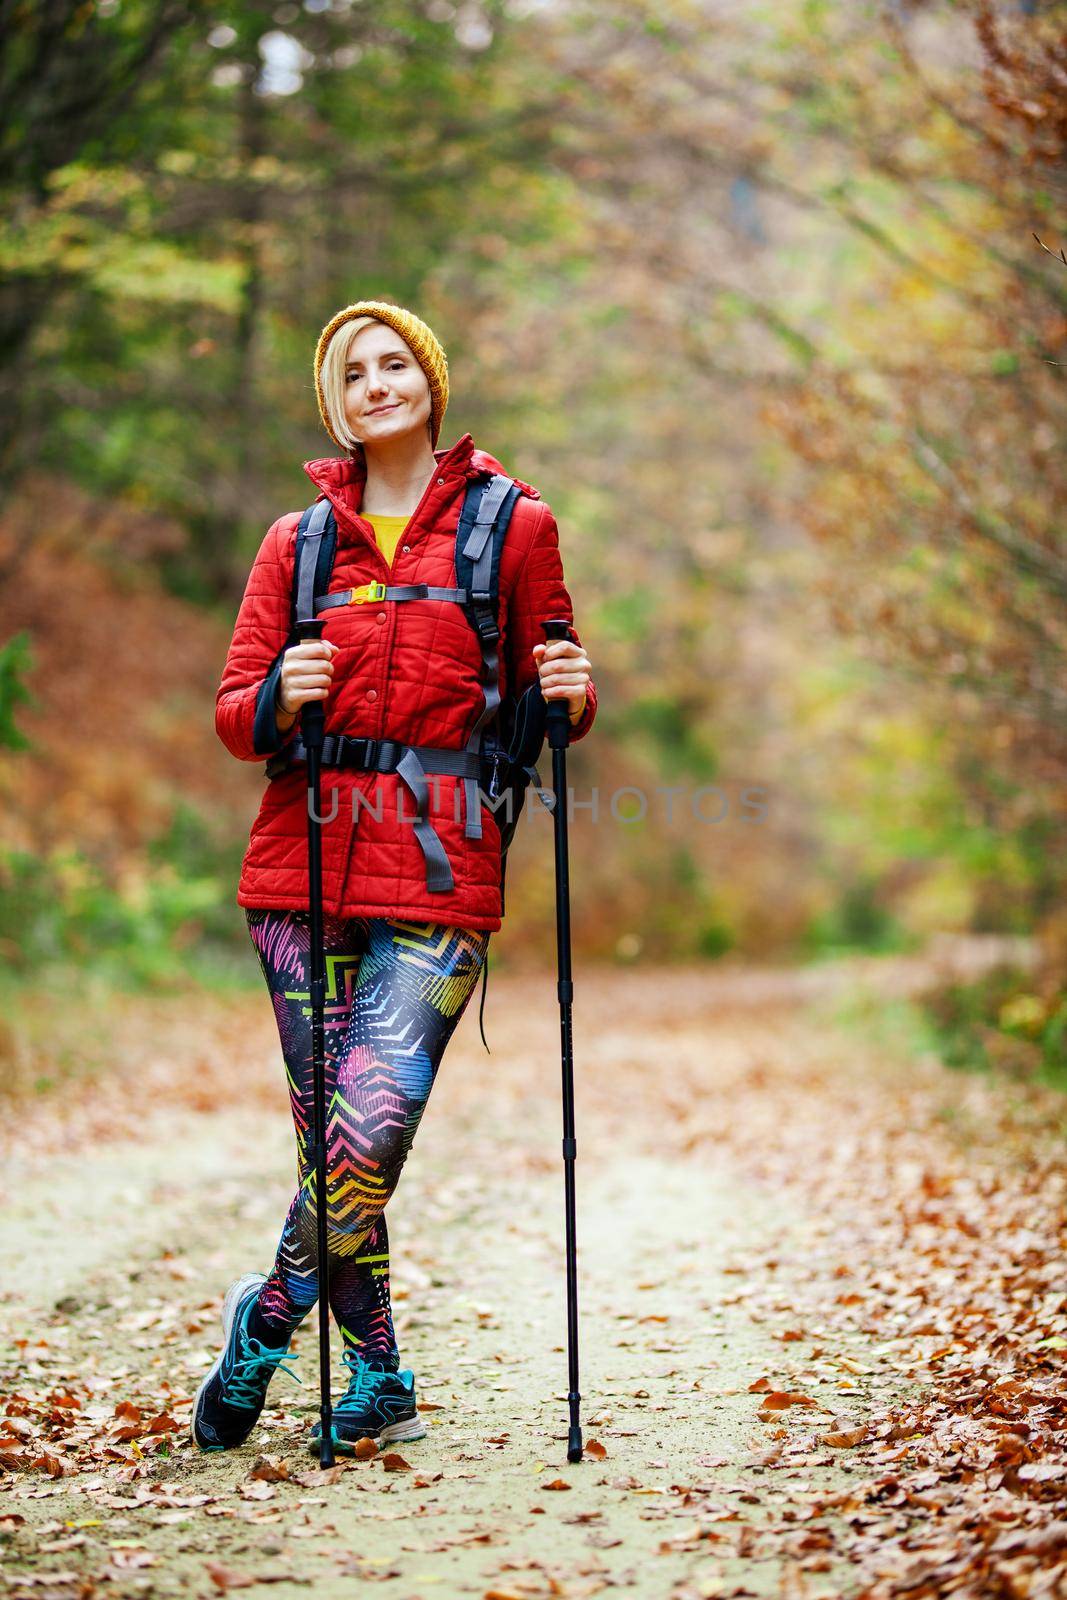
(628, 616)
(173, 254)
(16, 659)
(1001, 1023)
(692, 920)
(194, 850)
(61, 910)
(858, 920)
(675, 733)
(166, 921)
(997, 1024)
(714, 939)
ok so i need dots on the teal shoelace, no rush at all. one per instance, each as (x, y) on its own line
(362, 1383)
(253, 1372)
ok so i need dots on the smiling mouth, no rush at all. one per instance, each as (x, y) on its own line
(378, 410)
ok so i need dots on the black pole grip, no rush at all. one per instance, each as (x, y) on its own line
(558, 719)
(312, 712)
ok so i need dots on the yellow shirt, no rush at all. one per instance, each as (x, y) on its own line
(387, 531)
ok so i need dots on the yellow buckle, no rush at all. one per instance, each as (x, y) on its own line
(367, 591)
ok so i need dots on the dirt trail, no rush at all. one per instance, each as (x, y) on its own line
(703, 1269)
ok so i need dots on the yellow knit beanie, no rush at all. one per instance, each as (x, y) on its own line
(415, 333)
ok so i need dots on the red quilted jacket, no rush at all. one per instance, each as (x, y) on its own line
(403, 670)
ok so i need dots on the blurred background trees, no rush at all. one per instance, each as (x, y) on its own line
(767, 300)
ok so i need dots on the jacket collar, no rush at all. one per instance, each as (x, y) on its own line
(332, 474)
(342, 477)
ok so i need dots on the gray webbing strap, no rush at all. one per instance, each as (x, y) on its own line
(479, 547)
(400, 591)
(309, 558)
(495, 493)
(435, 758)
(438, 872)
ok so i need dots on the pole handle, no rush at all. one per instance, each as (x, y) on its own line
(312, 712)
(558, 721)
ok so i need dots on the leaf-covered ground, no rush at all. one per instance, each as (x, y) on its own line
(822, 1307)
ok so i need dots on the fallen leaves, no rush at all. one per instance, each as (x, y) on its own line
(257, 1490)
(225, 1578)
(846, 1440)
(63, 1430)
(320, 1477)
(782, 1399)
(947, 1230)
(129, 1560)
(270, 1469)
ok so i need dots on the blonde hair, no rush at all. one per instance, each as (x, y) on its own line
(331, 376)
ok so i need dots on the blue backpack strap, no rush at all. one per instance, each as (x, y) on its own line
(316, 545)
(483, 526)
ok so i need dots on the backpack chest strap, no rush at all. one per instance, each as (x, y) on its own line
(369, 592)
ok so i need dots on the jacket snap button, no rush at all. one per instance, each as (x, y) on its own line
(407, 549)
(440, 480)
(381, 616)
(372, 694)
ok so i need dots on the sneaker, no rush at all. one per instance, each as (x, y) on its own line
(231, 1397)
(377, 1404)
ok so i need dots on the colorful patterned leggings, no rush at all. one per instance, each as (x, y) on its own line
(394, 994)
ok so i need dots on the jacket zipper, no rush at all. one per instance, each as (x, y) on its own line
(365, 525)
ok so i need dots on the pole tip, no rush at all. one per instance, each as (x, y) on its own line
(574, 1444)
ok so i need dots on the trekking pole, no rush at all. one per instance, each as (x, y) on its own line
(312, 725)
(558, 725)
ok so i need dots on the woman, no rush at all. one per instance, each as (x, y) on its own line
(406, 927)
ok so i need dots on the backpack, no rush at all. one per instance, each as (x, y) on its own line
(508, 736)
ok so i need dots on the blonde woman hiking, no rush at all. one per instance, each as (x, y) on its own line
(413, 669)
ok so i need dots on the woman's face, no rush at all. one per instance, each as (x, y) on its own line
(387, 394)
